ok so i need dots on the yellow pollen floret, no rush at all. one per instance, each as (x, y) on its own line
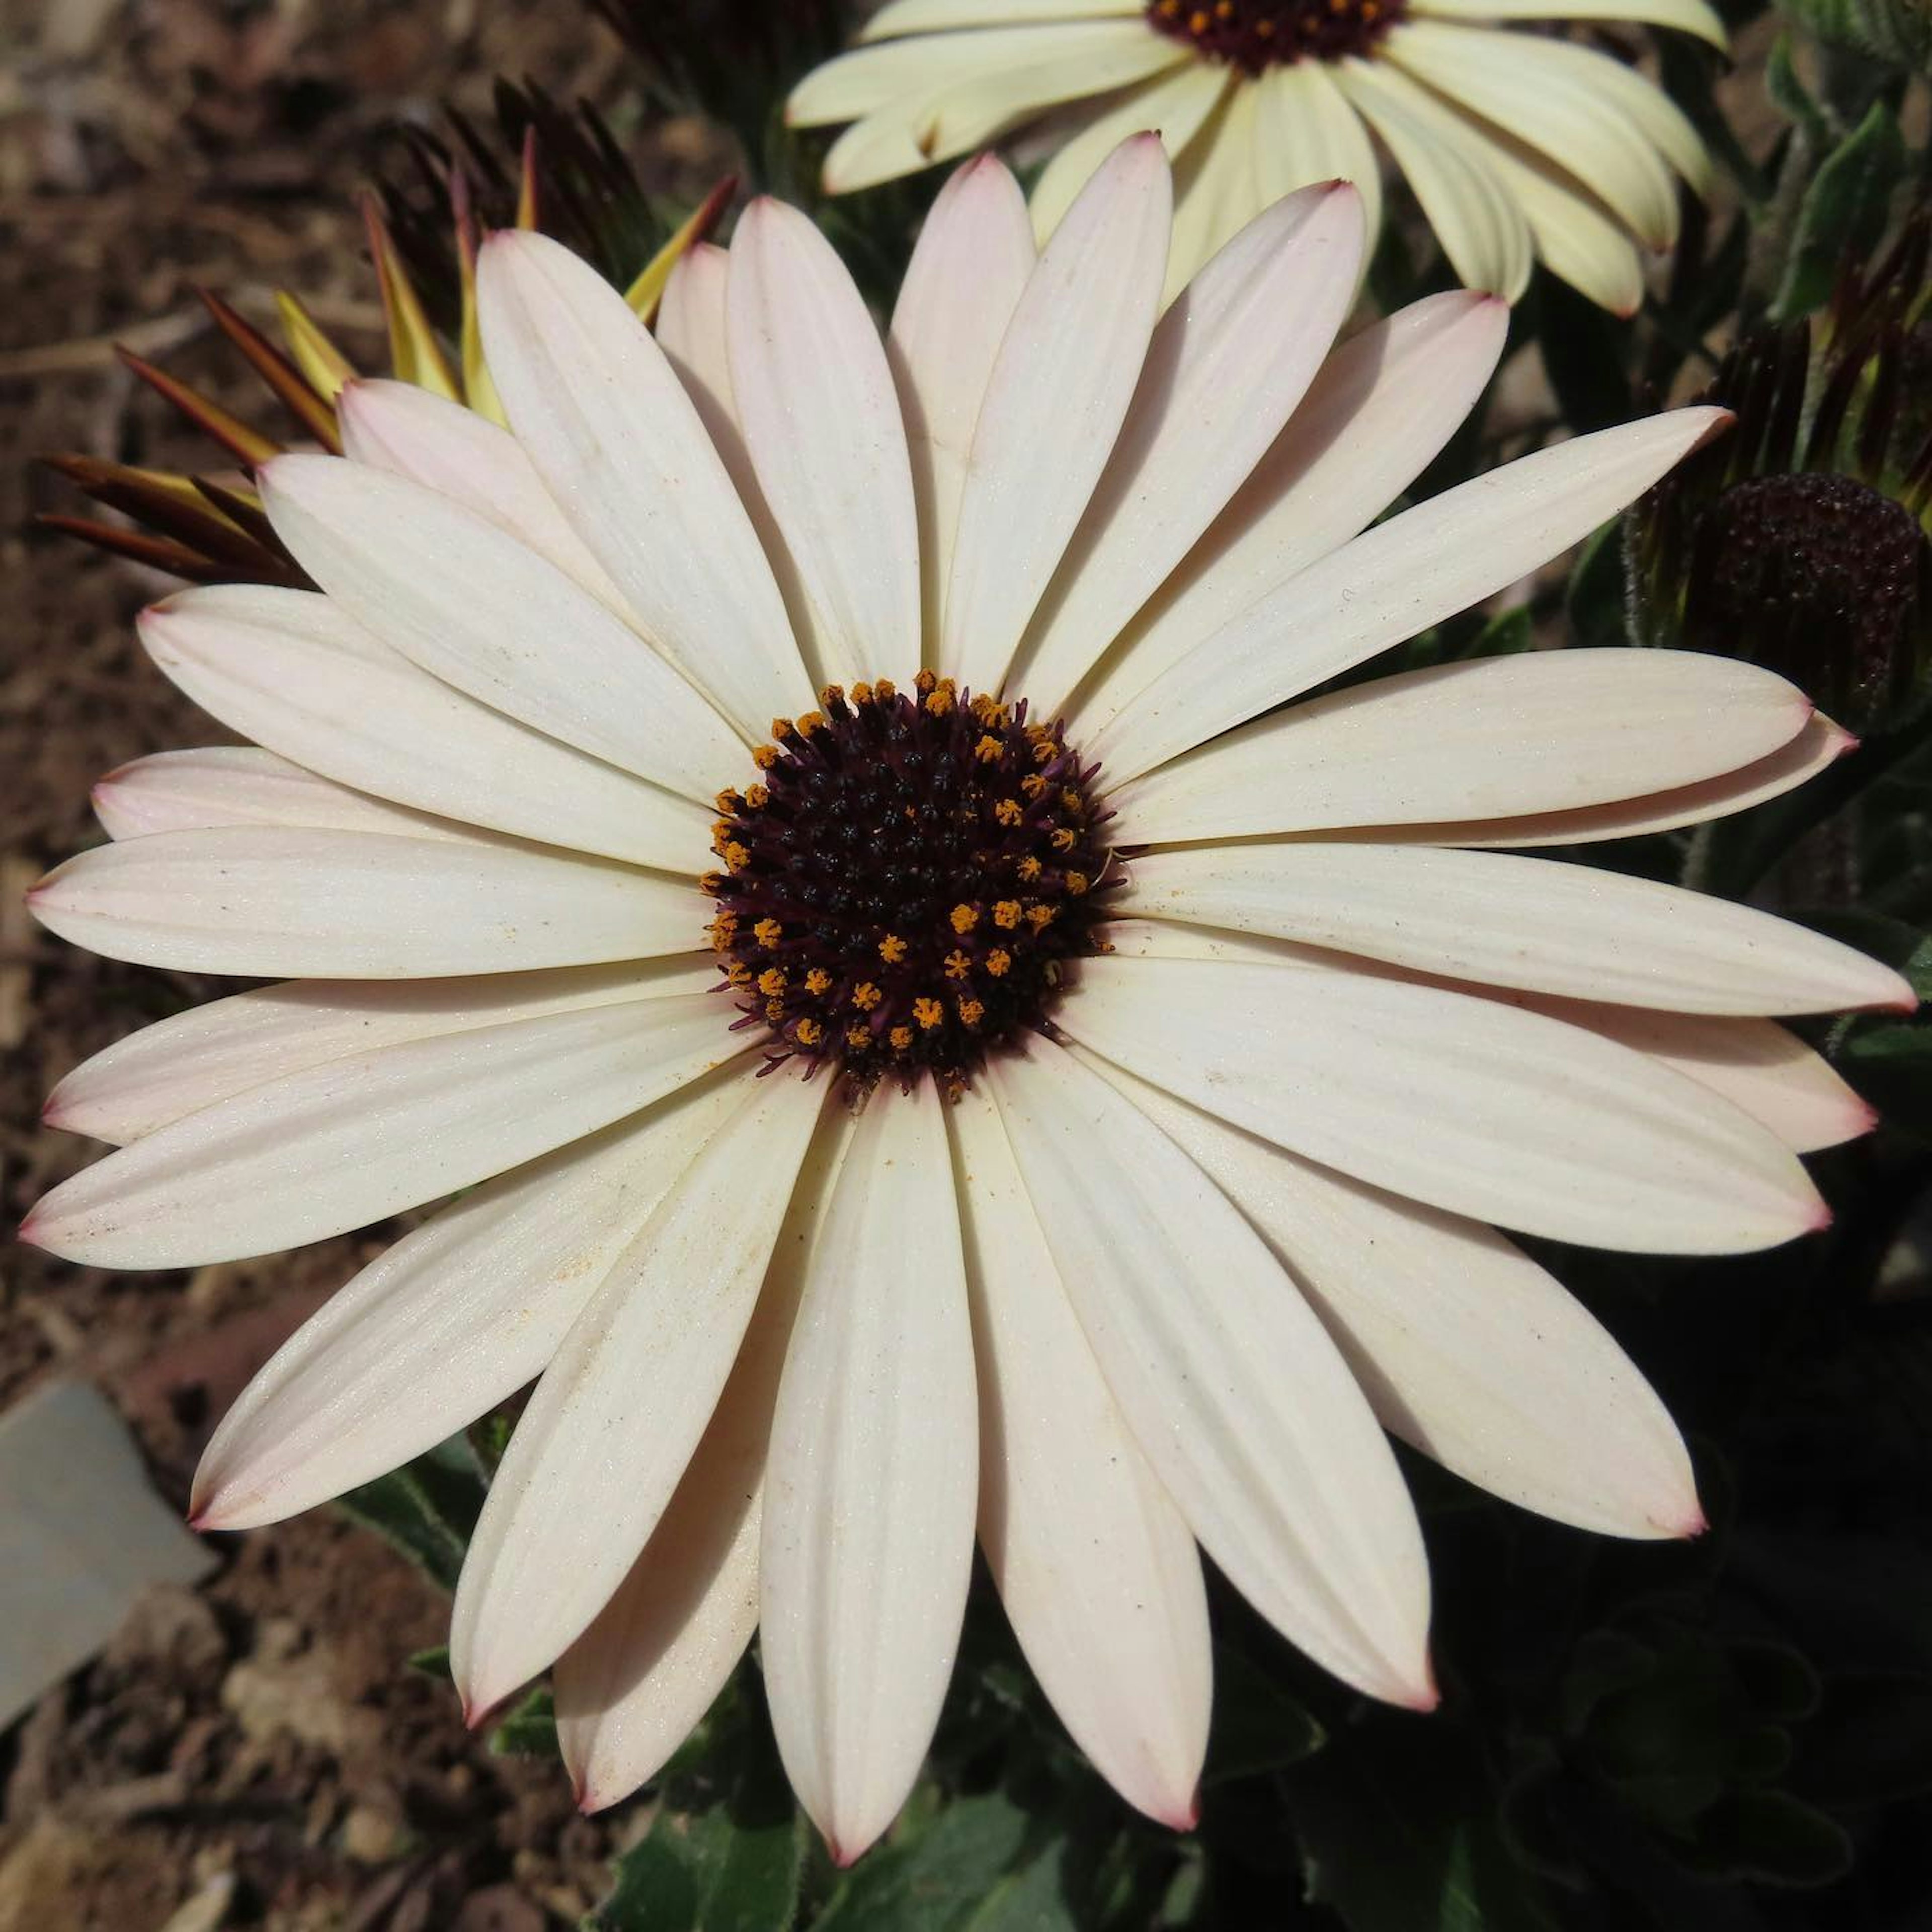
(722, 829)
(832, 694)
(1071, 800)
(810, 1032)
(988, 750)
(900, 1037)
(925, 682)
(738, 973)
(735, 856)
(764, 756)
(1045, 751)
(972, 1012)
(818, 980)
(781, 727)
(1076, 882)
(1065, 839)
(812, 721)
(1029, 868)
(964, 918)
(957, 965)
(775, 1011)
(757, 797)
(858, 1036)
(998, 961)
(861, 693)
(768, 932)
(940, 702)
(728, 802)
(711, 883)
(1008, 812)
(1198, 22)
(771, 982)
(885, 691)
(929, 1013)
(1039, 917)
(1007, 914)
(892, 948)
(1034, 784)
(865, 996)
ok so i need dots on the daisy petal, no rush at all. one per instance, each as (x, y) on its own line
(1096, 1567)
(1550, 108)
(1494, 738)
(1227, 365)
(1762, 1068)
(1397, 579)
(1687, 16)
(1380, 409)
(623, 452)
(411, 432)
(293, 671)
(613, 1423)
(1463, 1345)
(211, 1052)
(1217, 189)
(1305, 131)
(1466, 1104)
(1065, 372)
(217, 785)
(632, 1687)
(473, 607)
(345, 1144)
(1818, 746)
(968, 269)
(926, 17)
(820, 417)
(868, 1535)
(1236, 1396)
(1759, 1066)
(453, 1319)
(1503, 920)
(276, 901)
(1174, 106)
(1469, 208)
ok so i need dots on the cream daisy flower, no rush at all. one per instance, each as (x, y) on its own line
(1518, 146)
(1095, 1136)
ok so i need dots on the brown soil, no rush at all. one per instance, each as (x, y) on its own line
(255, 1753)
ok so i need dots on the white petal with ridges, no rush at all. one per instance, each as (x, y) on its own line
(1504, 920)
(1217, 189)
(294, 672)
(1469, 1105)
(1095, 1565)
(1174, 106)
(1396, 579)
(1235, 1395)
(1688, 16)
(471, 605)
(271, 901)
(412, 432)
(599, 1450)
(974, 254)
(1305, 131)
(1380, 411)
(1481, 227)
(1062, 382)
(1550, 108)
(179, 1066)
(820, 417)
(216, 785)
(1227, 365)
(345, 1144)
(630, 1690)
(623, 450)
(868, 1535)
(1463, 1346)
(926, 17)
(453, 1319)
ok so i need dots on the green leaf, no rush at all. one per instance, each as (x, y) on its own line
(1793, 98)
(1593, 600)
(433, 1662)
(1257, 1727)
(427, 1509)
(1844, 208)
(933, 1879)
(529, 1730)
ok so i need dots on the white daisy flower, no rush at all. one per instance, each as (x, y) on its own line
(1520, 147)
(1096, 1139)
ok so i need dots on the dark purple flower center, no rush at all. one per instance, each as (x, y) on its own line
(1253, 34)
(904, 887)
